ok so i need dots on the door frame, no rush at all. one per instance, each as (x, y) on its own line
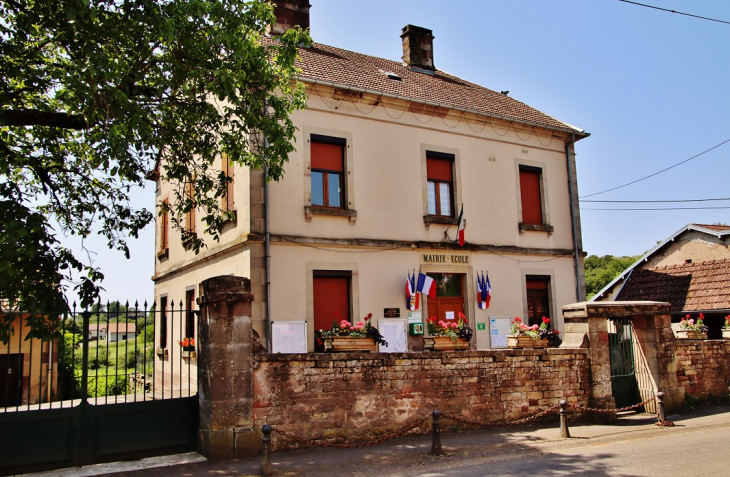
(468, 285)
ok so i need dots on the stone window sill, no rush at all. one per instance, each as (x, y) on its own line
(310, 211)
(231, 221)
(164, 253)
(536, 228)
(438, 219)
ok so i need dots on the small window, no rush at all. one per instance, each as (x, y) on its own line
(189, 215)
(439, 172)
(189, 313)
(531, 195)
(227, 201)
(163, 322)
(328, 171)
(164, 230)
(538, 299)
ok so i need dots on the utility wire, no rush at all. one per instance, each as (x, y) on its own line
(661, 208)
(674, 11)
(657, 173)
(652, 201)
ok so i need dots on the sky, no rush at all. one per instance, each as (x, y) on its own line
(652, 88)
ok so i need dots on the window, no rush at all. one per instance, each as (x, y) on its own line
(327, 171)
(164, 231)
(538, 301)
(189, 313)
(227, 201)
(163, 322)
(439, 172)
(331, 293)
(531, 195)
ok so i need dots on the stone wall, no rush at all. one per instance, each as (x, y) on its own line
(351, 396)
(702, 367)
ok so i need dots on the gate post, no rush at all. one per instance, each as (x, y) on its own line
(225, 379)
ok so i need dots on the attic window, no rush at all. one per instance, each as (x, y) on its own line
(390, 75)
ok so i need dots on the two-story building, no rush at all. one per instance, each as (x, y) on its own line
(387, 155)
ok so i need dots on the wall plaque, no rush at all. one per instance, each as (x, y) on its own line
(391, 312)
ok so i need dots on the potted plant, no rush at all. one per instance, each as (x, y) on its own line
(726, 328)
(345, 336)
(692, 329)
(547, 335)
(187, 346)
(522, 335)
(447, 335)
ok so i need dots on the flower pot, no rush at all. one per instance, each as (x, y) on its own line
(188, 348)
(691, 335)
(542, 343)
(188, 354)
(520, 341)
(444, 343)
(726, 334)
(350, 343)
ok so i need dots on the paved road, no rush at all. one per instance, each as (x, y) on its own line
(697, 445)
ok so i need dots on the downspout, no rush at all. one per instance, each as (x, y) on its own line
(573, 216)
(267, 252)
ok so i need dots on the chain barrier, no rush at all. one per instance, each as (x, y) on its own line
(606, 411)
(315, 442)
(516, 422)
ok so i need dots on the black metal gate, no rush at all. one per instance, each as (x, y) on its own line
(623, 373)
(96, 386)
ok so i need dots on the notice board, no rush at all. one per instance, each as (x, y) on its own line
(498, 330)
(395, 332)
(289, 337)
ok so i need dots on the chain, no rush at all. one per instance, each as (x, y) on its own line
(504, 424)
(315, 442)
(606, 411)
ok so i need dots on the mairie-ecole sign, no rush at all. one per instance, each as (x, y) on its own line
(455, 259)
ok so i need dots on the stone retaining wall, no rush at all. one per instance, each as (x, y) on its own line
(702, 366)
(357, 396)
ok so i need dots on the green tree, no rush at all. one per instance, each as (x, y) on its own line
(95, 93)
(601, 270)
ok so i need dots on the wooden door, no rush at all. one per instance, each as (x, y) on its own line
(11, 366)
(449, 300)
(538, 304)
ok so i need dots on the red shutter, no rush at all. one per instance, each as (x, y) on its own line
(327, 156)
(331, 294)
(438, 169)
(530, 194)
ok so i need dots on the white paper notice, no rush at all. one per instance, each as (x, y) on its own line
(394, 332)
(289, 337)
(499, 329)
(449, 315)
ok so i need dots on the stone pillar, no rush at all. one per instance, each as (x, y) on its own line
(225, 381)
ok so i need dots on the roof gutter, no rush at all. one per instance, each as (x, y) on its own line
(576, 132)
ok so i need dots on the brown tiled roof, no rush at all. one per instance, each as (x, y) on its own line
(334, 65)
(717, 228)
(688, 287)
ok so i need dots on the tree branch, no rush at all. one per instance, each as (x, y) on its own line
(33, 117)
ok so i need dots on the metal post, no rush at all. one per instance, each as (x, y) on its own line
(660, 406)
(564, 432)
(266, 446)
(436, 444)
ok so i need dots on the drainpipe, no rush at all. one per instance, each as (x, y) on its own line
(267, 252)
(573, 216)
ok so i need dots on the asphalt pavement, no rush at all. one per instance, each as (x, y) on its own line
(633, 446)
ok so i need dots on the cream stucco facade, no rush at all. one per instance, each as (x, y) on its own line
(383, 232)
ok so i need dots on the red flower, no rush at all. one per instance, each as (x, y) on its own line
(518, 319)
(545, 320)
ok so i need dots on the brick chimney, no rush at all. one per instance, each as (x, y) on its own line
(290, 14)
(418, 48)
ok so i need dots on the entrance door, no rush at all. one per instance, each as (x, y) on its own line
(449, 301)
(625, 388)
(10, 377)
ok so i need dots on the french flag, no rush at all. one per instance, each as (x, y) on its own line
(481, 295)
(426, 285)
(411, 295)
(486, 291)
(460, 227)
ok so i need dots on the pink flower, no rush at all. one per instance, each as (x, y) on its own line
(691, 322)
(360, 324)
(534, 327)
(352, 328)
(454, 325)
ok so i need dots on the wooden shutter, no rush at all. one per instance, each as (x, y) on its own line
(438, 169)
(327, 156)
(227, 202)
(331, 294)
(531, 199)
(190, 215)
(164, 232)
(163, 322)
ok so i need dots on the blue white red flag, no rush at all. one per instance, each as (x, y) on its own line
(461, 227)
(426, 285)
(487, 287)
(411, 294)
(481, 296)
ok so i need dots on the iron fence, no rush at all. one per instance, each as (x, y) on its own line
(104, 354)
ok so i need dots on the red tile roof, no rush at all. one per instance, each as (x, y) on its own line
(334, 65)
(688, 287)
(715, 227)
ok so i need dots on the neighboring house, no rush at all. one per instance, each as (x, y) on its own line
(387, 154)
(690, 270)
(111, 332)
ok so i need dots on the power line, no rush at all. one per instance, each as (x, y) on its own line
(657, 173)
(674, 11)
(661, 208)
(652, 201)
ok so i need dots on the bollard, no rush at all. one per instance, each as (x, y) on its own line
(266, 446)
(436, 444)
(564, 432)
(660, 406)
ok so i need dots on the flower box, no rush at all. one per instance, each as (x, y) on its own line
(726, 334)
(350, 343)
(444, 343)
(520, 341)
(691, 335)
(188, 354)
